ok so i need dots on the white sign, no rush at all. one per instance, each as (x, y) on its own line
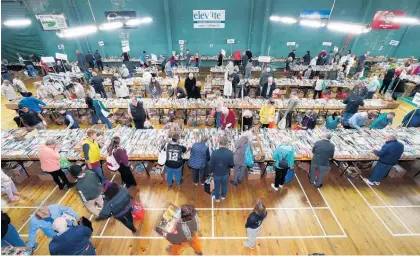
(125, 43)
(101, 43)
(126, 48)
(181, 42)
(60, 46)
(231, 41)
(209, 18)
(211, 45)
(48, 59)
(60, 56)
(416, 99)
(265, 59)
(52, 21)
(394, 43)
(327, 43)
(290, 43)
(335, 49)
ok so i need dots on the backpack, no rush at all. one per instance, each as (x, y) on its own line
(249, 157)
(111, 162)
(283, 163)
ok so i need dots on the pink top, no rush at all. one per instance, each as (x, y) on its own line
(49, 158)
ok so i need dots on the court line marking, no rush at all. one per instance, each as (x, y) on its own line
(212, 216)
(242, 209)
(395, 206)
(390, 209)
(373, 210)
(412, 234)
(107, 221)
(224, 237)
(30, 216)
(332, 212)
(310, 204)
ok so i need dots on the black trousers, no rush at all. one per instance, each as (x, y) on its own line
(57, 175)
(280, 176)
(139, 124)
(101, 91)
(264, 125)
(289, 120)
(100, 65)
(127, 220)
(385, 85)
(197, 173)
(127, 176)
(319, 94)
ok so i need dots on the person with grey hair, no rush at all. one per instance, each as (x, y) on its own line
(98, 84)
(220, 163)
(323, 151)
(291, 107)
(8, 91)
(200, 155)
(388, 155)
(50, 163)
(239, 156)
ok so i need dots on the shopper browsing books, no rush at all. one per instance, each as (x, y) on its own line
(98, 84)
(200, 155)
(284, 161)
(323, 151)
(308, 120)
(31, 119)
(358, 120)
(174, 161)
(382, 121)
(333, 121)
(92, 154)
(291, 107)
(228, 119)
(241, 145)
(268, 88)
(69, 119)
(153, 89)
(353, 102)
(8, 91)
(137, 113)
(190, 83)
(120, 155)
(267, 113)
(98, 111)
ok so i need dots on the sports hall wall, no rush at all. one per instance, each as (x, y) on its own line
(247, 21)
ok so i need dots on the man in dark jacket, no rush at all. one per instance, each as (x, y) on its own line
(389, 155)
(220, 163)
(220, 59)
(190, 83)
(307, 58)
(323, 151)
(268, 88)
(292, 54)
(353, 102)
(71, 241)
(245, 60)
(90, 60)
(235, 81)
(387, 80)
(81, 61)
(249, 54)
(98, 59)
(98, 84)
(137, 112)
(412, 119)
(174, 161)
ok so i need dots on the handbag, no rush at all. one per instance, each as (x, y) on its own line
(112, 163)
(289, 176)
(282, 123)
(271, 124)
(209, 185)
(249, 157)
(162, 156)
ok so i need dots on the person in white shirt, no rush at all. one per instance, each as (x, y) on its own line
(8, 187)
(372, 87)
(313, 61)
(350, 63)
(42, 92)
(20, 87)
(75, 68)
(8, 91)
(124, 71)
(79, 90)
(319, 84)
(230, 68)
(227, 89)
(121, 90)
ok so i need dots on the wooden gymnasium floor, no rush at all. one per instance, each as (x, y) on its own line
(344, 217)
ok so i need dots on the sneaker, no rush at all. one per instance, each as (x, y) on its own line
(196, 184)
(274, 187)
(70, 185)
(368, 182)
(248, 246)
(202, 184)
(320, 186)
(217, 200)
(233, 183)
(223, 198)
(376, 183)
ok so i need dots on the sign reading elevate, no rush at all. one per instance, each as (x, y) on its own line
(52, 21)
(315, 14)
(209, 18)
(385, 19)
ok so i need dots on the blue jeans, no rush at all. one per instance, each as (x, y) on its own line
(100, 173)
(369, 95)
(169, 73)
(379, 172)
(197, 173)
(103, 119)
(220, 181)
(170, 174)
(218, 117)
(31, 70)
(12, 237)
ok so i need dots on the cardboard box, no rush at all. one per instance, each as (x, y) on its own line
(397, 172)
(33, 167)
(270, 176)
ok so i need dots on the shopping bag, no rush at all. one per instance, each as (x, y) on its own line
(138, 210)
(289, 176)
(162, 156)
(209, 185)
(112, 163)
(249, 157)
(282, 124)
(64, 163)
(271, 124)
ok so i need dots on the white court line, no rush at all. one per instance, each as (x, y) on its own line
(412, 234)
(373, 210)
(333, 214)
(310, 204)
(224, 237)
(19, 207)
(212, 216)
(90, 218)
(383, 201)
(20, 229)
(396, 206)
(61, 200)
(242, 209)
(107, 221)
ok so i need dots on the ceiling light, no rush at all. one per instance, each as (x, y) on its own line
(135, 22)
(312, 23)
(17, 23)
(77, 31)
(288, 20)
(111, 25)
(348, 28)
(406, 20)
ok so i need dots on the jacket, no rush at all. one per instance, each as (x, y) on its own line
(89, 187)
(221, 161)
(357, 121)
(74, 241)
(237, 55)
(308, 121)
(49, 159)
(248, 69)
(323, 151)
(240, 146)
(121, 91)
(390, 153)
(189, 85)
(8, 92)
(91, 151)
(353, 102)
(389, 74)
(174, 92)
(415, 121)
(306, 59)
(254, 220)
(137, 112)
(174, 155)
(381, 122)
(97, 56)
(200, 155)
(265, 88)
(219, 59)
(245, 60)
(81, 60)
(284, 152)
(266, 113)
(46, 226)
(116, 206)
(185, 230)
(89, 57)
(68, 119)
(228, 88)
(98, 106)
(291, 105)
(229, 119)
(32, 103)
(97, 82)
(264, 76)
(331, 123)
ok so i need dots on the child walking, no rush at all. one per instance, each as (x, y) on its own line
(8, 187)
(253, 224)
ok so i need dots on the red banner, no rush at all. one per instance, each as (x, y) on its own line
(384, 19)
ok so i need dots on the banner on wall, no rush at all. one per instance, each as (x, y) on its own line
(52, 21)
(385, 19)
(60, 56)
(121, 16)
(315, 14)
(209, 18)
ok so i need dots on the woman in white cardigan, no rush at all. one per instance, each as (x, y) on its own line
(228, 89)
(8, 187)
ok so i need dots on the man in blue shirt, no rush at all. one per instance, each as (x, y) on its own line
(43, 219)
(389, 155)
(32, 103)
(358, 120)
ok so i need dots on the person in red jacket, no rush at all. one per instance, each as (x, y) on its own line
(237, 58)
(228, 118)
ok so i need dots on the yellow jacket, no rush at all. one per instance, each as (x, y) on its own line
(94, 151)
(266, 113)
